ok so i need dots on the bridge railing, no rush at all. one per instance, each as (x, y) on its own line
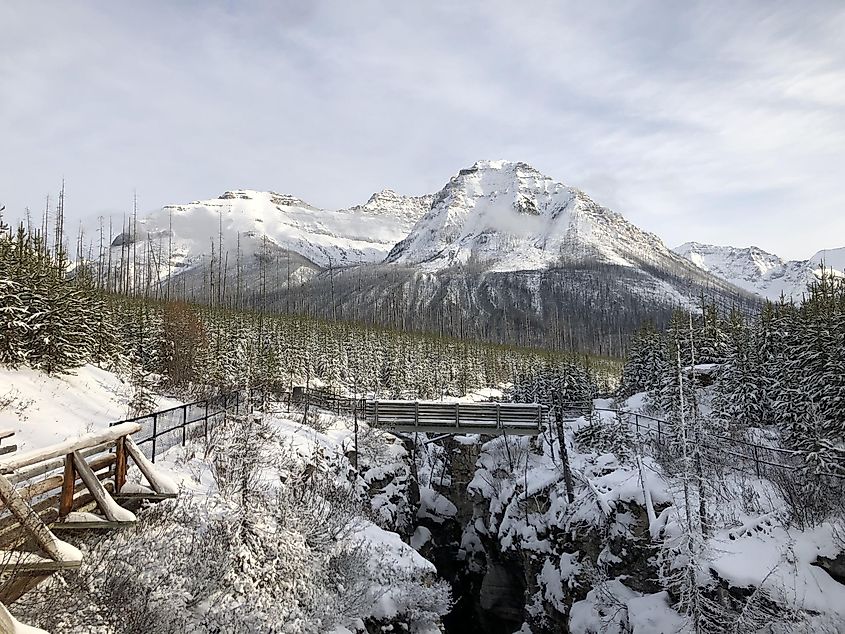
(327, 400)
(730, 452)
(439, 417)
(724, 451)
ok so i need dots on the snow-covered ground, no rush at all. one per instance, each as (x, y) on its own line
(587, 557)
(605, 561)
(400, 585)
(391, 559)
(44, 409)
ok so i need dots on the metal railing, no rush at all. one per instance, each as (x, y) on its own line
(167, 428)
(329, 401)
(724, 451)
(728, 451)
(468, 418)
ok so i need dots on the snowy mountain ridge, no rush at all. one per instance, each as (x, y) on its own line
(760, 272)
(498, 231)
(179, 237)
(343, 237)
(498, 216)
(507, 216)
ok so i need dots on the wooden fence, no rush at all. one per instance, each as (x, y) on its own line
(51, 489)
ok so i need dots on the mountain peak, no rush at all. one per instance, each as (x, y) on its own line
(500, 164)
(759, 271)
(507, 216)
(388, 203)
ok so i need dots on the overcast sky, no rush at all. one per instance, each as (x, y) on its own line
(716, 122)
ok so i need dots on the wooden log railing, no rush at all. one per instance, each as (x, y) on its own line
(5, 449)
(48, 489)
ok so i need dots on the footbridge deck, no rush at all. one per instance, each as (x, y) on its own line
(518, 419)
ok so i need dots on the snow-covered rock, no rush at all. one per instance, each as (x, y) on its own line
(388, 203)
(761, 272)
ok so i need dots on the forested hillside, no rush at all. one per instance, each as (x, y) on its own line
(55, 322)
(783, 370)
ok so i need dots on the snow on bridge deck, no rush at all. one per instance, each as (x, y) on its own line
(518, 419)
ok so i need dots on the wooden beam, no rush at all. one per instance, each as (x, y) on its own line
(33, 524)
(68, 484)
(154, 497)
(108, 506)
(39, 565)
(87, 525)
(15, 534)
(27, 473)
(86, 441)
(120, 464)
(39, 488)
(158, 483)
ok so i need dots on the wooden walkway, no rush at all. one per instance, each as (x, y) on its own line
(492, 419)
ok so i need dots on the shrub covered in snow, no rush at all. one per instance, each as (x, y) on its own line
(275, 543)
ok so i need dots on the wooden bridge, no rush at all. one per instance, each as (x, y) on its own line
(492, 419)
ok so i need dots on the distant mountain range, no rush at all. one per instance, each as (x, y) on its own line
(501, 252)
(760, 272)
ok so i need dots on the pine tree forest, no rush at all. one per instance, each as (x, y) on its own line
(781, 372)
(56, 321)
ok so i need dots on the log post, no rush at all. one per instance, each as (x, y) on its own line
(68, 483)
(28, 519)
(120, 465)
(564, 456)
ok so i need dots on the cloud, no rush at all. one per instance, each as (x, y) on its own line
(713, 121)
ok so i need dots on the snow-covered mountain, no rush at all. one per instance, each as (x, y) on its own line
(501, 252)
(361, 234)
(508, 254)
(388, 204)
(505, 216)
(760, 272)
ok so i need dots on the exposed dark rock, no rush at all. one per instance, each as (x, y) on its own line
(122, 239)
(835, 567)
